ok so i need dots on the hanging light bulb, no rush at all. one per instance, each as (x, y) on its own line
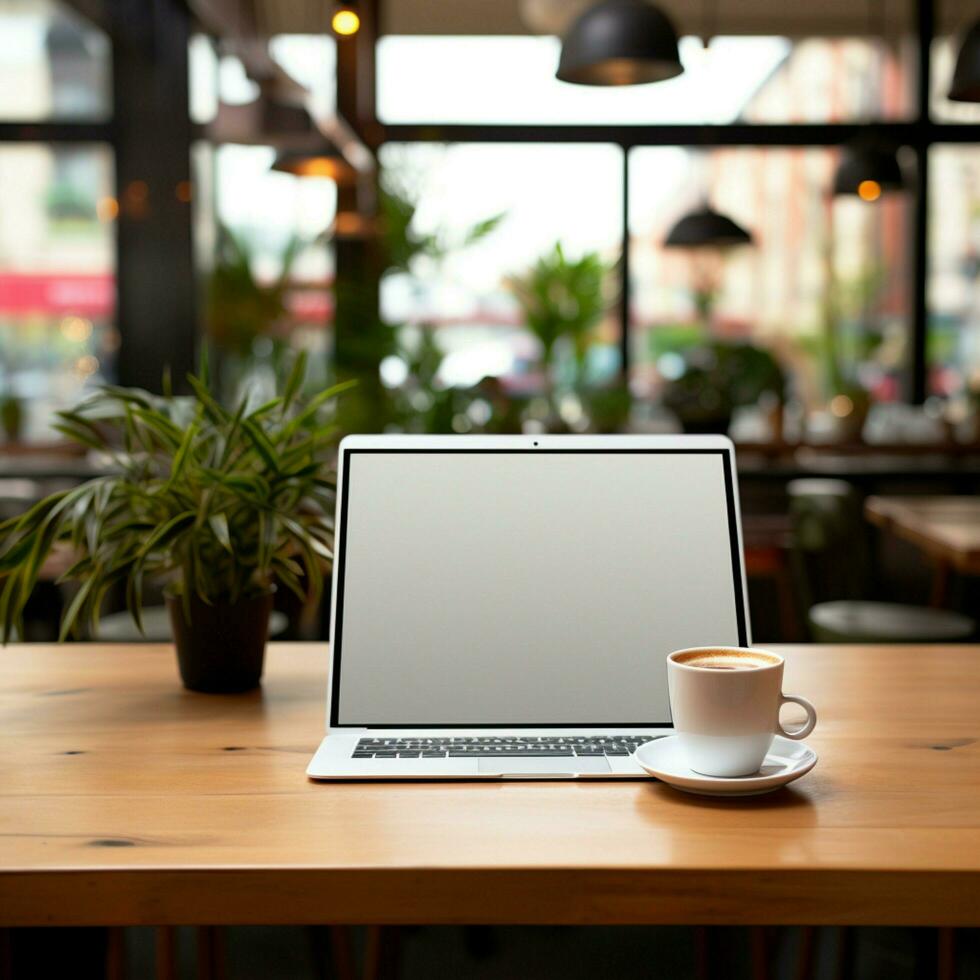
(345, 22)
(868, 171)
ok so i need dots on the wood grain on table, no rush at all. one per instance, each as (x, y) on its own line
(126, 800)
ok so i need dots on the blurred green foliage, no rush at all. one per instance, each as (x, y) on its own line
(563, 299)
(421, 402)
(718, 378)
(238, 307)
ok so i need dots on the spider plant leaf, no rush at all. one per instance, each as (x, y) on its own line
(77, 419)
(183, 451)
(320, 548)
(131, 396)
(289, 578)
(295, 380)
(71, 615)
(43, 539)
(204, 367)
(207, 401)
(252, 486)
(8, 607)
(233, 431)
(76, 570)
(481, 229)
(310, 548)
(315, 404)
(263, 410)
(303, 471)
(260, 442)
(15, 554)
(76, 434)
(288, 563)
(157, 423)
(35, 515)
(134, 596)
(299, 451)
(219, 525)
(164, 534)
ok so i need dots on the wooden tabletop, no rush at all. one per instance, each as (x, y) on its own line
(948, 528)
(127, 800)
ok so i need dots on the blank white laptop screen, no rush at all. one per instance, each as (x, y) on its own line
(528, 588)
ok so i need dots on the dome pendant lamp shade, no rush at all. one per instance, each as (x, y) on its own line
(868, 171)
(966, 75)
(619, 42)
(706, 228)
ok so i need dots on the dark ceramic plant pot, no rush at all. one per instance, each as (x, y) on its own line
(222, 648)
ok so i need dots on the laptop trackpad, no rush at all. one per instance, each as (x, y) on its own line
(545, 766)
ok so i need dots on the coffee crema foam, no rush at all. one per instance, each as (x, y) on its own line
(722, 659)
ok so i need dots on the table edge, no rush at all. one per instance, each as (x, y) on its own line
(444, 896)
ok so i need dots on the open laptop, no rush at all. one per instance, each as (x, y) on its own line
(503, 606)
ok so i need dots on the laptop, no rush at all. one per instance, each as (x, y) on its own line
(503, 606)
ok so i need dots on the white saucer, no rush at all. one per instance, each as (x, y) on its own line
(787, 760)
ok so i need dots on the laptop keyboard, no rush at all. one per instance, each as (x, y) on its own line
(532, 746)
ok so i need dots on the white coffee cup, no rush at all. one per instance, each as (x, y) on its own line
(725, 704)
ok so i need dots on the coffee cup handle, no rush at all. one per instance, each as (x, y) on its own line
(808, 725)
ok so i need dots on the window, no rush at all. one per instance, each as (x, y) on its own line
(312, 61)
(954, 270)
(546, 193)
(274, 218)
(756, 79)
(808, 247)
(53, 65)
(279, 223)
(944, 51)
(57, 283)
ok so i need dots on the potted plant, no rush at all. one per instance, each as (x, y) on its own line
(219, 506)
(718, 378)
(563, 298)
(563, 301)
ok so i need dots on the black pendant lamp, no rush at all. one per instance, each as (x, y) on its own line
(966, 75)
(619, 42)
(707, 228)
(868, 172)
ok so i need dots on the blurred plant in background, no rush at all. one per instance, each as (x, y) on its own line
(719, 377)
(421, 401)
(404, 244)
(563, 301)
(246, 319)
(851, 336)
(400, 366)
